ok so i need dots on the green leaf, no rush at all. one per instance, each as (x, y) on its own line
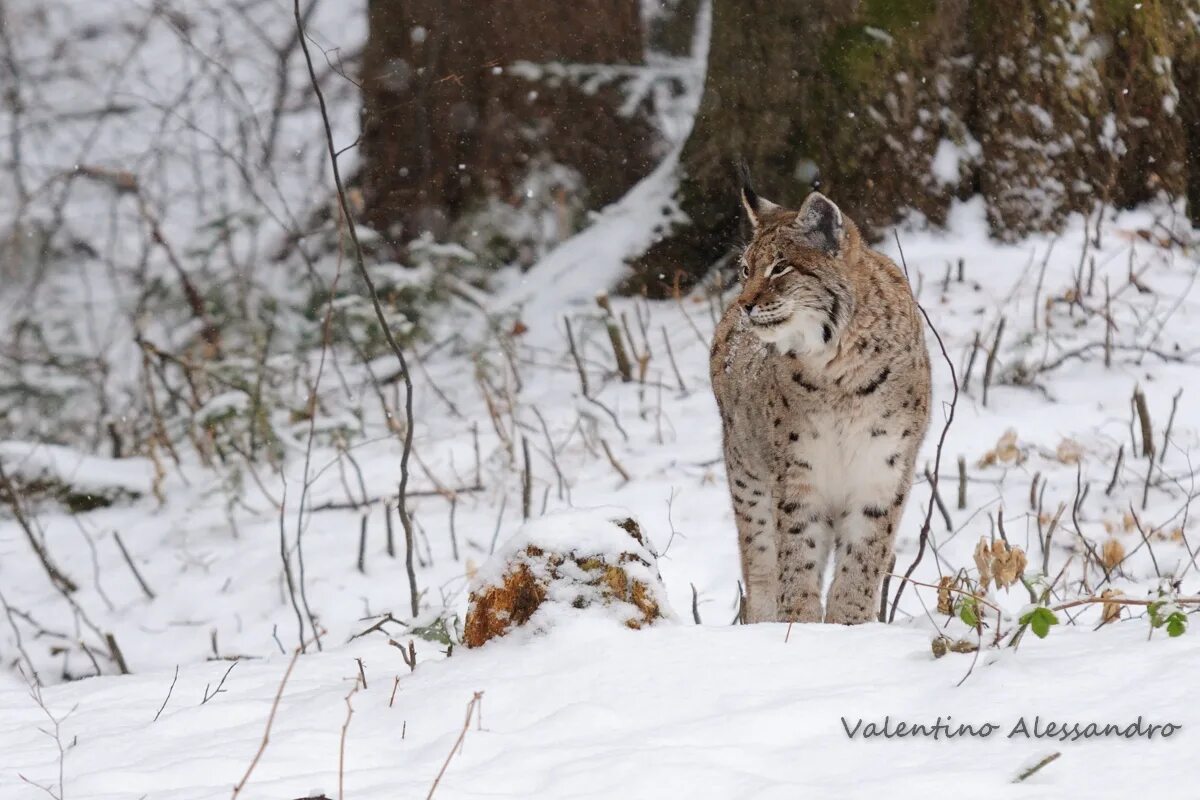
(438, 631)
(1039, 621)
(966, 612)
(1176, 624)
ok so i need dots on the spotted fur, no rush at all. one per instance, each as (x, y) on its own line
(822, 376)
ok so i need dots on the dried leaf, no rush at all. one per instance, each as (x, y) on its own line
(1069, 451)
(1112, 553)
(940, 646)
(1008, 565)
(945, 603)
(1006, 451)
(944, 644)
(1000, 563)
(983, 562)
(1112, 611)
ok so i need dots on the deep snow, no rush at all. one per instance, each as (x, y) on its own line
(596, 711)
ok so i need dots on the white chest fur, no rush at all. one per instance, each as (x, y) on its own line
(855, 461)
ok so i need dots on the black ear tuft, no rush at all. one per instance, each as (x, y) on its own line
(743, 174)
(755, 206)
(751, 201)
(820, 223)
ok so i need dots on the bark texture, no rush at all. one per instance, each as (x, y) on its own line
(450, 116)
(1045, 107)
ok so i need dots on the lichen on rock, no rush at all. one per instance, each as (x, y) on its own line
(596, 560)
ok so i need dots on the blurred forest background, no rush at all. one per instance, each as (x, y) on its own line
(498, 128)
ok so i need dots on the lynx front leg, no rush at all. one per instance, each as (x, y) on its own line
(802, 539)
(756, 542)
(863, 553)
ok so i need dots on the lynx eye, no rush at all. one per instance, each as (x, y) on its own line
(745, 270)
(775, 269)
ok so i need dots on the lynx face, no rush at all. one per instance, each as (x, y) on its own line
(794, 288)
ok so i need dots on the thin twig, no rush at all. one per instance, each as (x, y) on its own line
(266, 737)
(167, 699)
(362, 544)
(1143, 412)
(671, 359)
(937, 498)
(413, 593)
(526, 480)
(1031, 770)
(583, 381)
(402, 501)
(614, 338)
(141, 581)
(923, 539)
(1112, 484)
(1145, 539)
(8, 489)
(990, 365)
(117, 656)
(613, 460)
(478, 698)
(345, 729)
(1108, 326)
(1162, 456)
(975, 346)
(962, 484)
(220, 686)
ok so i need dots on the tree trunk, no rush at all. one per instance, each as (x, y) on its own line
(1151, 88)
(1081, 104)
(1035, 108)
(1045, 107)
(858, 95)
(452, 116)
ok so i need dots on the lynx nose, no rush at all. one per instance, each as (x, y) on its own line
(749, 308)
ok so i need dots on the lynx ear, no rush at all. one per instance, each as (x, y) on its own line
(756, 207)
(820, 223)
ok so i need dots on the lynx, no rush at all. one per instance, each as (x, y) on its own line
(821, 376)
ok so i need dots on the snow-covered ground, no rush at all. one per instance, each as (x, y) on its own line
(591, 709)
(596, 711)
(708, 710)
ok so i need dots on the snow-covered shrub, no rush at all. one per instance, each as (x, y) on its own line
(408, 293)
(47, 473)
(595, 560)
